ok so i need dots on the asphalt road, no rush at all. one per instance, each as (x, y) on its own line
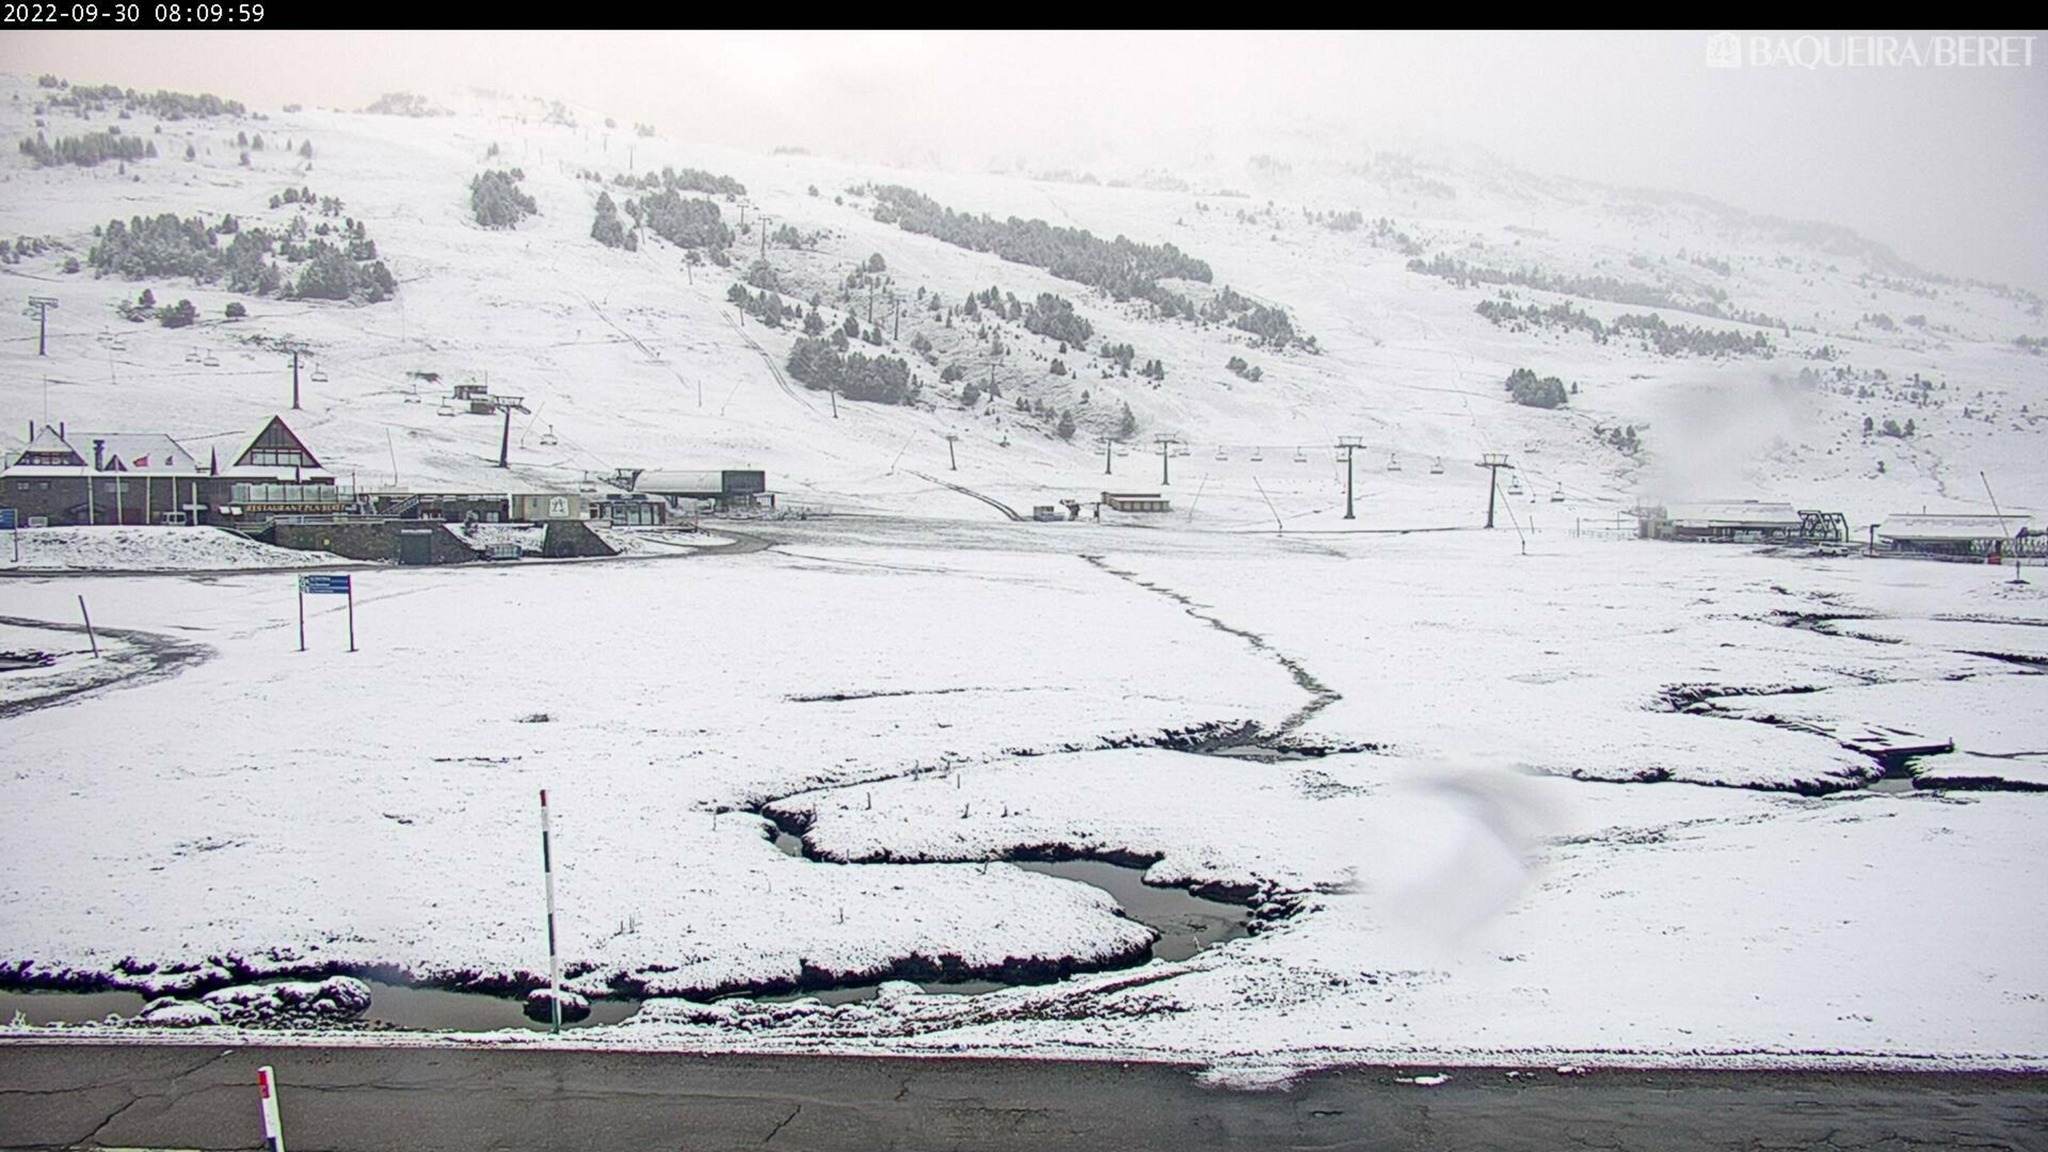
(425, 1100)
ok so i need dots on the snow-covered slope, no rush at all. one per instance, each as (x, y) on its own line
(632, 359)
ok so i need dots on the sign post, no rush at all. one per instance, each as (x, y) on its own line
(327, 584)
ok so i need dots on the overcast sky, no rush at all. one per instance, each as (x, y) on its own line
(1949, 165)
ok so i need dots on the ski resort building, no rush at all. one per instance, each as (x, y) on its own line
(1723, 522)
(1136, 502)
(1966, 537)
(534, 507)
(80, 478)
(725, 488)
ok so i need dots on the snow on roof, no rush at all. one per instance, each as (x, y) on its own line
(146, 453)
(1741, 513)
(1952, 526)
(680, 480)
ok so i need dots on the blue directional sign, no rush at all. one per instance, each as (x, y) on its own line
(9, 518)
(324, 585)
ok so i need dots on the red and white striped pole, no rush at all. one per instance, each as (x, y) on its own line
(273, 1128)
(547, 867)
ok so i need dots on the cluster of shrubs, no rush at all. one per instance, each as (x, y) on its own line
(1622, 439)
(1607, 288)
(88, 150)
(765, 305)
(1054, 318)
(1270, 325)
(823, 363)
(402, 104)
(1666, 338)
(682, 180)
(162, 104)
(1239, 366)
(1676, 339)
(1505, 314)
(611, 231)
(328, 205)
(685, 223)
(179, 315)
(497, 202)
(1533, 391)
(165, 245)
(26, 246)
(1122, 267)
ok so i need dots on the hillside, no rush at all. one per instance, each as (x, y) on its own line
(1745, 352)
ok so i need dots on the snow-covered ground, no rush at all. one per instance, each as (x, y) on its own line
(1560, 790)
(1453, 890)
(139, 549)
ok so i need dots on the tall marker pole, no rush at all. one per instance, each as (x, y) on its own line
(273, 1128)
(302, 614)
(547, 867)
(351, 615)
(295, 379)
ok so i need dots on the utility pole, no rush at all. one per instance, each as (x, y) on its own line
(1348, 445)
(2009, 540)
(951, 459)
(896, 315)
(834, 390)
(1493, 462)
(1108, 446)
(295, 378)
(1166, 444)
(41, 306)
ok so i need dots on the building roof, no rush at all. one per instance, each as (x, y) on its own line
(1735, 514)
(137, 454)
(1953, 526)
(275, 438)
(677, 480)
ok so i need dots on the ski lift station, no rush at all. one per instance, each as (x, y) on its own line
(1978, 538)
(1741, 522)
(726, 488)
(1136, 502)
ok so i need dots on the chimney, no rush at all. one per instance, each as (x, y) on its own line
(98, 449)
(60, 430)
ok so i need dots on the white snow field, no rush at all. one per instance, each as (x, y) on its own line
(1456, 890)
(139, 549)
(1540, 790)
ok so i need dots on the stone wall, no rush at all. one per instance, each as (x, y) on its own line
(370, 540)
(573, 538)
